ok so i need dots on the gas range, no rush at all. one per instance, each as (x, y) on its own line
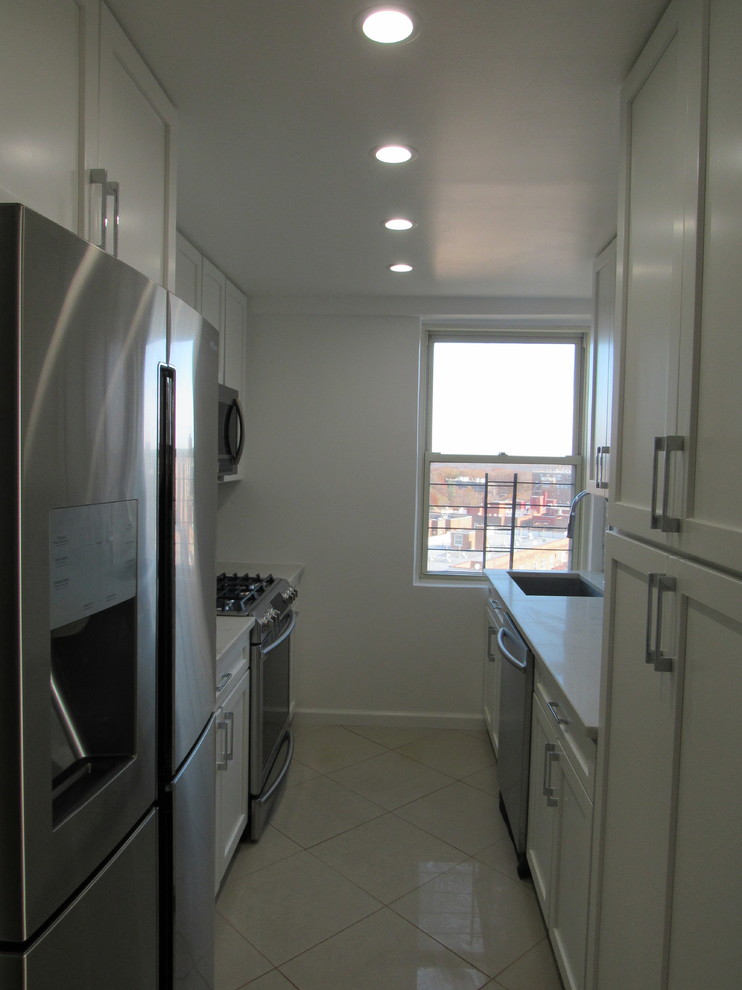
(264, 598)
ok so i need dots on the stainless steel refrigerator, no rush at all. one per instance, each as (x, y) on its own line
(104, 718)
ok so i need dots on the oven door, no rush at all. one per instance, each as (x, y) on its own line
(270, 716)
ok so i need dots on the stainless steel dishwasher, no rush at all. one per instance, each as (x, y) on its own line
(513, 757)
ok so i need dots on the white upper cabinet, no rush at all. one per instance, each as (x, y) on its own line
(188, 267)
(235, 321)
(712, 526)
(657, 236)
(678, 430)
(136, 149)
(202, 285)
(214, 303)
(601, 372)
(88, 134)
(48, 73)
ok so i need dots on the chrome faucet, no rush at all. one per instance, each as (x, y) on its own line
(572, 512)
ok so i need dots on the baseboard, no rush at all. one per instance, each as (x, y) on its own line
(406, 720)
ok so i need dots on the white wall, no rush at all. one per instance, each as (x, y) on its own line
(331, 483)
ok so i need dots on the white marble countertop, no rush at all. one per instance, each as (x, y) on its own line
(565, 634)
(229, 630)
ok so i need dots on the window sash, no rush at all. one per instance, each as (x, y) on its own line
(497, 522)
(428, 457)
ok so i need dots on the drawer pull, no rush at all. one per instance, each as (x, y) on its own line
(223, 756)
(551, 756)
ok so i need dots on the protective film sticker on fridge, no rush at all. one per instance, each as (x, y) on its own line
(92, 559)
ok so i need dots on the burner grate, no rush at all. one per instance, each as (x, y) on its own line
(238, 594)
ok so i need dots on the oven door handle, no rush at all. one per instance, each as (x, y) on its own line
(282, 637)
(265, 798)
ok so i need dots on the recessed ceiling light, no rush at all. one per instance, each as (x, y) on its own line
(400, 267)
(399, 223)
(394, 154)
(388, 25)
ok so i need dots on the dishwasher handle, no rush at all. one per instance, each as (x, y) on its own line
(501, 634)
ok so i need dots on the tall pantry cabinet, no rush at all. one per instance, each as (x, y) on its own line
(668, 853)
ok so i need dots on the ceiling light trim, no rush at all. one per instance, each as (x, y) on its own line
(399, 223)
(377, 36)
(392, 154)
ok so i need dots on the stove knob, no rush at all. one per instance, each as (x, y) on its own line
(271, 614)
(289, 595)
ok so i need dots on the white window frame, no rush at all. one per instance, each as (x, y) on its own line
(426, 456)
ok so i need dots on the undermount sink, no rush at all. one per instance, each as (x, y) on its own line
(560, 584)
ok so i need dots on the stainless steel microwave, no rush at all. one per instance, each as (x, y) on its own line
(231, 431)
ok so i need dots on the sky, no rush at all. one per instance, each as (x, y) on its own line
(514, 398)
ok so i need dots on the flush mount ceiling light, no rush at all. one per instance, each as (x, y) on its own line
(388, 25)
(399, 223)
(394, 154)
(400, 267)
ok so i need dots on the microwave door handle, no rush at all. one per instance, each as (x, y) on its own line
(235, 410)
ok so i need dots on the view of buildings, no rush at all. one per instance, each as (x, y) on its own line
(509, 516)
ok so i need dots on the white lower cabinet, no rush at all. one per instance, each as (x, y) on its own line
(232, 722)
(560, 817)
(669, 866)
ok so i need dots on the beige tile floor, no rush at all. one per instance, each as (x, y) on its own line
(386, 867)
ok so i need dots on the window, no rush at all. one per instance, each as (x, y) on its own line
(500, 463)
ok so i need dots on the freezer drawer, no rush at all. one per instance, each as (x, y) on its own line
(107, 937)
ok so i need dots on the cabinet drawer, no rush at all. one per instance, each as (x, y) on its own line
(578, 747)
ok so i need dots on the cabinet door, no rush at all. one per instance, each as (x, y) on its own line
(601, 371)
(636, 756)
(137, 151)
(568, 913)
(188, 266)
(48, 74)
(713, 528)
(232, 788)
(656, 282)
(235, 325)
(213, 304)
(705, 945)
(541, 805)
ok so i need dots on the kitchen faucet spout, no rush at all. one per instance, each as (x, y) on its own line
(573, 511)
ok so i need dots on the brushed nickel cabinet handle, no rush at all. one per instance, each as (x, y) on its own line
(99, 177)
(657, 586)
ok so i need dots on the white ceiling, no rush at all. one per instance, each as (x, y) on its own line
(512, 106)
